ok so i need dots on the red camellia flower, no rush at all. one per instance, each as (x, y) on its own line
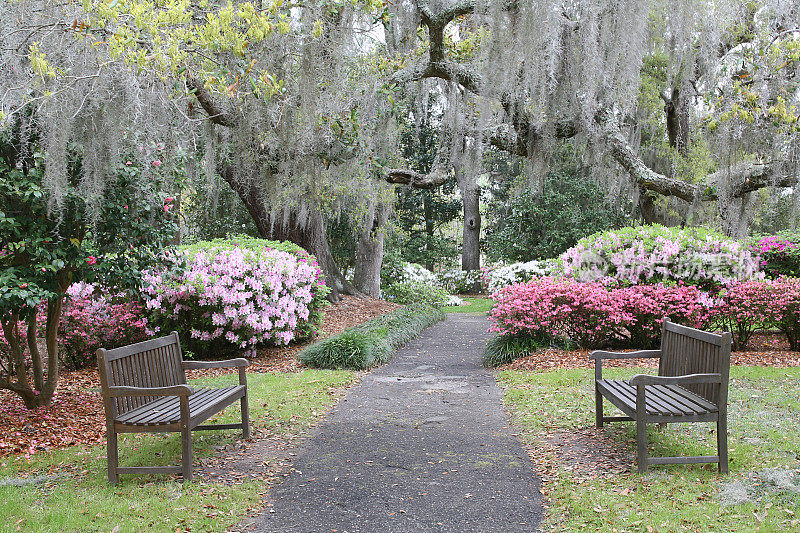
(91, 260)
(168, 199)
(23, 286)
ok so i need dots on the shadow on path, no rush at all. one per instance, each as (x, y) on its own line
(421, 444)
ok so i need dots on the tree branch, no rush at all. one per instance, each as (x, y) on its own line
(417, 180)
(215, 112)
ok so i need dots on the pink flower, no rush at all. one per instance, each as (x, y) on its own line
(91, 260)
(168, 199)
(157, 163)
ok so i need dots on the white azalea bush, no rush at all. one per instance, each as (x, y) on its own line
(652, 254)
(500, 276)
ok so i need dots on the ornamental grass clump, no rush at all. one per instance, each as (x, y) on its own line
(224, 297)
(653, 254)
(372, 343)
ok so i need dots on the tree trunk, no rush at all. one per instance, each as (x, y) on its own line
(427, 213)
(647, 207)
(471, 248)
(369, 254)
(310, 235)
(15, 369)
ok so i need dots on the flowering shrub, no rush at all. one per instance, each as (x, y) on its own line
(594, 314)
(649, 304)
(584, 312)
(651, 254)
(413, 292)
(504, 275)
(227, 296)
(457, 281)
(415, 272)
(744, 307)
(787, 300)
(780, 254)
(90, 321)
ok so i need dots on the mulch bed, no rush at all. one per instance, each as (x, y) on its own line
(76, 413)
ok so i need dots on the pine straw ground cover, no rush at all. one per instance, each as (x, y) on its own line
(76, 414)
(588, 478)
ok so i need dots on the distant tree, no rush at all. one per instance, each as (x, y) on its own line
(542, 224)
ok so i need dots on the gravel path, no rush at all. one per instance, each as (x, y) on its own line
(421, 444)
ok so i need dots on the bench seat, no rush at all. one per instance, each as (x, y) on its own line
(167, 410)
(691, 386)
(661, 400)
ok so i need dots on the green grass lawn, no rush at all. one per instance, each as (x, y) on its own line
(73, 493)
(759, 494)
(476, 305)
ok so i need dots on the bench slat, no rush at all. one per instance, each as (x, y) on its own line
(167, 410)
(659, 400)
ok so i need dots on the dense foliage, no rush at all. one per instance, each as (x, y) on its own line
(236, 294)
(413, 292)
(652, 254)
(44, 248)
(543, 224)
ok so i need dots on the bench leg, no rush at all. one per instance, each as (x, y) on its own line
(186, 440)
(245, 418)
(598, 409)
(112, 457)
(641, 444)
(722, 443)
(641, 430)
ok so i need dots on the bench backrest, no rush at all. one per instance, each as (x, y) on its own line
(152, 363)
(686, 350)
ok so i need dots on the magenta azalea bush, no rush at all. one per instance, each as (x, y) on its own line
(91, 320)
(780, 254)
(222, 297)
(558, 307)
(654, 254)
(596, 314)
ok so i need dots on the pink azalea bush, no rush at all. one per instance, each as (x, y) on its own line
(649, 304)
(594, 314)
(744, 307)
(91, 320)
(652, 254)
(227, 297)
(584, 312)
(787, 298)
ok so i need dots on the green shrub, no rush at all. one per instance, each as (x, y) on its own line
(247, 242)
(502, 349)
(372, 343)
(413, 292)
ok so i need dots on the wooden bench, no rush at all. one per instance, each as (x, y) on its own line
(144, 391)
(691, 386)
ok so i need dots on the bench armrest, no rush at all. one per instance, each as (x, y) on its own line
(174, 390)
(641, 354)
(229, 363)
(689, 379)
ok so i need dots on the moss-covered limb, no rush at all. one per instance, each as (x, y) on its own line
(372, 343)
